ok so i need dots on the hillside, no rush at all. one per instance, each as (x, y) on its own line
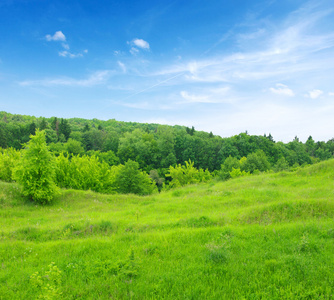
(154, 146)
(268, 236)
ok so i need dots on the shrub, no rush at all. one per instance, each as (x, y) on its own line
(84, 173)
(35, 171)
(130, 179)
(238, 173)
(256, 161)
(8, 158)
(229, 164)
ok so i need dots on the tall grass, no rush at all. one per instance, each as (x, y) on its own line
(268, 236)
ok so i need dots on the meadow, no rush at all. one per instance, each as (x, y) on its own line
(267, 236)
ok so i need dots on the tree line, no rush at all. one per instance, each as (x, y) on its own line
(167, 155)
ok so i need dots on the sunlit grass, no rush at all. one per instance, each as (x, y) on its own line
(268, 236)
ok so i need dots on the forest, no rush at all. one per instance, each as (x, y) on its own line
(103, 155)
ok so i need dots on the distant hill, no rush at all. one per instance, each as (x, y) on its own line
(155, 146)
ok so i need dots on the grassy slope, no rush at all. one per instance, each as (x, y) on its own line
(262, 237)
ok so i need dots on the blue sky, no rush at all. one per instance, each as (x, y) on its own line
(220, 66)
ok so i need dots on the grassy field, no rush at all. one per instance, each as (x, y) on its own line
(268, 236)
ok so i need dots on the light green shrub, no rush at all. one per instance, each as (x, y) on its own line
(8, 158)
(35, 170)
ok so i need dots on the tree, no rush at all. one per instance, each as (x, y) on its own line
(8, 159)
(35, 171)
(183, 174)
(43, 124)
(32, 128)
(229, 164)
(55, 124)
(256, 161)
(3, 135)
(74, 147)
(281, 165)
(310, 146)
(130, 179)
(166, 146)
(154, 175)
(65, 129)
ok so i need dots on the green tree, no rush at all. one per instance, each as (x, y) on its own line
(229, 164)
(310, 146)
(130, 179)
(154, 175)
(4, 132)
(64, 128)
(55, 124)
(256, 161)
(8, 159)
(281, 165)
(183, 174)
(43, 124)
(74, 147)
(35, 171)
(32, 128)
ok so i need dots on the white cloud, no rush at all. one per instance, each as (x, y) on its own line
(194, 98)
(66, 46)
(58, 36)
(135, 44)
(141, 44)
(253, 35)
(314, 94)
(293, 50)
(282, 90)
(66, 53)
(217, 95)
(96, 78)
(122, 66)
(330, 94)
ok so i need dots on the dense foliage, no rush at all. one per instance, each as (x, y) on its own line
(101, 155)
(35, 170)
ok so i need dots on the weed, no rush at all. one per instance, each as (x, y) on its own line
(306, 245)
(199, 222)
(49, 284)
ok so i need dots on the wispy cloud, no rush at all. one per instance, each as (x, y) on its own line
(292, 49)
(65, 46)
(99, 77)
(194, 98)
(66, 53)
(122, 66)
(283, 90)
(217, 95)
(134, 51)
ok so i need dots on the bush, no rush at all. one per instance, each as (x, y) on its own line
(35, 171)
(84, 173)
(8, 158)
(256, 161)
(238, 173)
(130, 179)
(229, 164)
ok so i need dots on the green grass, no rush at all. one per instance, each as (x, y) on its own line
(268, 236)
